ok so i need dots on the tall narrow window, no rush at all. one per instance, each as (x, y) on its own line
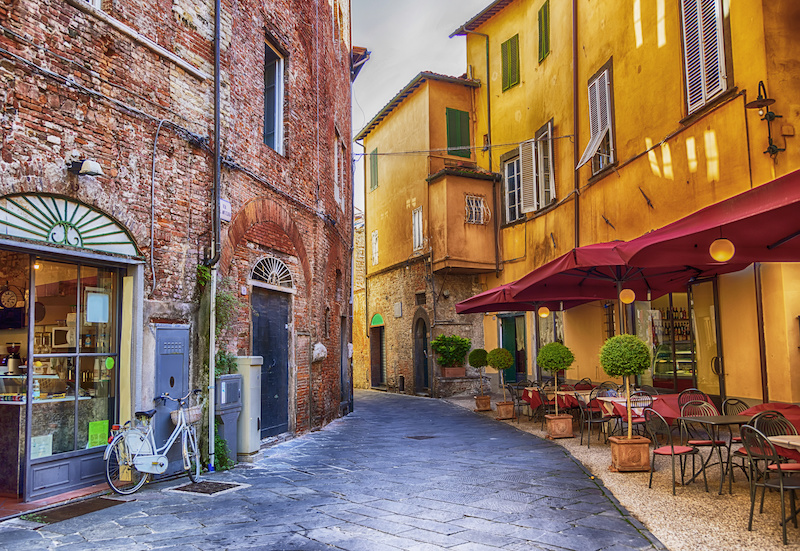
(416, 227)
(273, 99)
(544, 30)
(457, 132)
(375, 247)
(373, 169)
(537, 181)
(704, 52)
(509, 53)
(512, 191)
(600, 149)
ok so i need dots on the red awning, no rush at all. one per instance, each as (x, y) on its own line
(499, 299)
(763, 224)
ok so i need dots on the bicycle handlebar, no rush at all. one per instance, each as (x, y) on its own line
(165, 396)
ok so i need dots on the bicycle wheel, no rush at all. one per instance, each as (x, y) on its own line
(192, 454)
(120, 473)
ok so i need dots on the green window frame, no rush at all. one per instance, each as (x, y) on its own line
(509, 52)
(373, 169)
(457, 132)
(544, 30)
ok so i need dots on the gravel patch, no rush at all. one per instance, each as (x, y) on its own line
(688, 521)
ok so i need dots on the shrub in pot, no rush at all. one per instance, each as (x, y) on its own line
(501, 359)
(450, 353)
(626, 356)
(477, 359)
(554, 357)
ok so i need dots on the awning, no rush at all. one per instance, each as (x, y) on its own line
(499, 299)
(763, 223)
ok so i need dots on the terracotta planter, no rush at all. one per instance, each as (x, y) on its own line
(559, 426)
(505, 410)
(629, 455)
(483, 403)
(454, 371)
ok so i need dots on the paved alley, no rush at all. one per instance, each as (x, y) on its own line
(401, 472)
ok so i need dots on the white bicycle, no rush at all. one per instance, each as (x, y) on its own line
(132, 456)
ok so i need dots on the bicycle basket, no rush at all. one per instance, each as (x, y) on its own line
(192, 414)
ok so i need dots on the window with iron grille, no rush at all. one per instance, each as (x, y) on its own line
(476, 210)
(509, 54)
(609, 323)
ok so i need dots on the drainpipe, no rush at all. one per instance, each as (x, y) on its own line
(463, 31)
(575, 158)
(215, 242)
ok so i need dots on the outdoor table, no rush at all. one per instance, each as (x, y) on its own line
(790, 411)
(714, 422)
(787, 445)
(566, 398)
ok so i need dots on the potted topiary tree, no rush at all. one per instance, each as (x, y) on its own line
(477, 359)
(554, 357)
(501, 359)
(626, 356)
(450, 353)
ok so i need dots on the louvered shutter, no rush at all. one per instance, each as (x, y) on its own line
(513, 61)
(373, 169)
(703, 57)
(546, 180)
(527, 173)
(504, 62)
(599, 116)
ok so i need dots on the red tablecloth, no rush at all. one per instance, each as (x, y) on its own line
(533, 399)
(792, 414)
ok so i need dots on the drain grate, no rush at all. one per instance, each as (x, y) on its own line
(208, 488)
(420, 437)
(70, 510)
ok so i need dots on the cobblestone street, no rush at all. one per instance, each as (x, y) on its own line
(399, 473)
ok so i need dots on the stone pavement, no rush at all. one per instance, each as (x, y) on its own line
(401, 472)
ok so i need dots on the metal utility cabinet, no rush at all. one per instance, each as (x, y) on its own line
(250, 417)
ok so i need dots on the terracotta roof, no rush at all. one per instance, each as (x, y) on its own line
(415, 83)
(466, 172)
(358, 56)
(490, 11)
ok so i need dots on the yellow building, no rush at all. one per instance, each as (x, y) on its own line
(429, 231)
(623, 116)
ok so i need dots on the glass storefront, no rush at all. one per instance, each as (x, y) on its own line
(64, 355)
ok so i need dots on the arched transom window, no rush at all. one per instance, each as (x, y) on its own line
(271, 272)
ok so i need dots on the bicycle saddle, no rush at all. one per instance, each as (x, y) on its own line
(149, 413)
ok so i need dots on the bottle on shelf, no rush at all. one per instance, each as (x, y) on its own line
(36, 389)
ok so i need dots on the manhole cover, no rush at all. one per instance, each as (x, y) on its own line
(208, 488)
(420, 437)
(71, 510)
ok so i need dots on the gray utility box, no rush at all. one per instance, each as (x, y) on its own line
(250, 420)
(228, 400)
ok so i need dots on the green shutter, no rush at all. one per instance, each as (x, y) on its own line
(509, 52)
(544, 31)
(373, 169)
(457, 132)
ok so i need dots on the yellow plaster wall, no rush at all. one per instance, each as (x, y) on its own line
(781, 308)
(583, 334)
(737, 308)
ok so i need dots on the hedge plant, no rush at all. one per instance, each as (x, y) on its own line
(451, 349)
(554, 357)
(625, 356)
(500, 359)
(477, 359)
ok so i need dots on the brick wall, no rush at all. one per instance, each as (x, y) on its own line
(72, 86)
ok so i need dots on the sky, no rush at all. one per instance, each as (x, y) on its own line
(405, 37)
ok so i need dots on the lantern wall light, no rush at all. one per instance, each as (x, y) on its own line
(627, 296)
(762, 103)
(543, 311)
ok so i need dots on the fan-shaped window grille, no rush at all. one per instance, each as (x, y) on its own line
(273, 272)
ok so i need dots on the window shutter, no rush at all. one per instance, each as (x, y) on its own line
(527, 157)
(463, 139)
(547, 189)
(504, 63)
(457, 132)
(599, 116)
(513, 61)
(713, 66)
(702, 44)
(373, 169)
(693, 55)
(603, 106)
(544, 31)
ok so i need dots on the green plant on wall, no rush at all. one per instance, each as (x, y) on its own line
(451, 349)
(225, 363)
(554, 357)
(500, 359)
(222, 454)
(477, 359)
(625, 356)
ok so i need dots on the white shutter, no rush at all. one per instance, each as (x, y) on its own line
(547, 188)
(375, 247)
(416, 226)
(703, 52)
(527, 175)
(599, 116)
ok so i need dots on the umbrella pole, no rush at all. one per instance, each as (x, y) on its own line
(622, 325)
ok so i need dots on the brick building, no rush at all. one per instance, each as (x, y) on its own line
(113, 215)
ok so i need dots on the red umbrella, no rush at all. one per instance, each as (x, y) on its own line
(598, 271)
(762, 223)
(499, 299)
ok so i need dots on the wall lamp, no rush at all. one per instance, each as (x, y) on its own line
(762, 103)
(85, 167)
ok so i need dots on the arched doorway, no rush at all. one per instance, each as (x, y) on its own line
(421, 371)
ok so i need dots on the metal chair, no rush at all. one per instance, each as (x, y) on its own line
(691, 394)
(639, 401)
(548, 405)
(584, 384)
(591, 415)
(772, 423)
(734, 406)
(663, 446)
(651, 390)
(766, 471)
(516, 398)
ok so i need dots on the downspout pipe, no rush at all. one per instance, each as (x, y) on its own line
(215, 242)
(464, 31)
(575, 119)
